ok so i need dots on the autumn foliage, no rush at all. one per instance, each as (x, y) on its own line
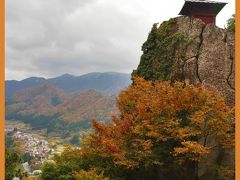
(163, 131)
(163, 124)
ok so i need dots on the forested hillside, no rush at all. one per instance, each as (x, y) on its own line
(47, 106)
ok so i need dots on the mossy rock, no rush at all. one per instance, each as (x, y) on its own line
(160, 51)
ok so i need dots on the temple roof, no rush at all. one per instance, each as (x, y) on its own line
(201, 6)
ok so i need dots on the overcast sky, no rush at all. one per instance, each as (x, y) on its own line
(51, 37)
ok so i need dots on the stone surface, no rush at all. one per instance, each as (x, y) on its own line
(209, 59)
(190, 71)
(214, 61)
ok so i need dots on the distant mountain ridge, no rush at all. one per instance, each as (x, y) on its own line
(35, 101)
(66, 102)
(47, 106)
(110, 83)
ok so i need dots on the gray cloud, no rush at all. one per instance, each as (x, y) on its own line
(52, 37)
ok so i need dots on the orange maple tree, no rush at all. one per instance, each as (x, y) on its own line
(161, 122)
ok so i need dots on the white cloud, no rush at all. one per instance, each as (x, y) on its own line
(52, 37)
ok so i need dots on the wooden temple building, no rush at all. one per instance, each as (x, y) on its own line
(202, 9)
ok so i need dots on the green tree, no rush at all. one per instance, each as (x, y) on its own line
(49, 171)
(231, 24)
(9, 141)
(26, 157)
(75, 140)
(12, 161)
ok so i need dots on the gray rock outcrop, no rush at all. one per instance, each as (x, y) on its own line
(208, 57)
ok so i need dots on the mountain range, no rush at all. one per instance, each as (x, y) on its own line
(109, 83)
(65, 101)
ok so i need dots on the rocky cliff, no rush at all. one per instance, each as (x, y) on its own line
(209, 57)
(186, 49)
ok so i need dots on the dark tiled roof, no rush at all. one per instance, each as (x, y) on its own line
(206, 1)
(190, 5)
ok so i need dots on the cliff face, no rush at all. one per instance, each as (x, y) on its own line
(188, 50)
(184, 49)
(209, 57)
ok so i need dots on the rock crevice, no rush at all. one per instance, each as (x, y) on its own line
(230, 74)
(199, 47)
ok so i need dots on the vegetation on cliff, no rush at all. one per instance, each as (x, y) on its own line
(231, 24)
(159, 51)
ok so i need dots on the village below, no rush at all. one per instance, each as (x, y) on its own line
(34, 146)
